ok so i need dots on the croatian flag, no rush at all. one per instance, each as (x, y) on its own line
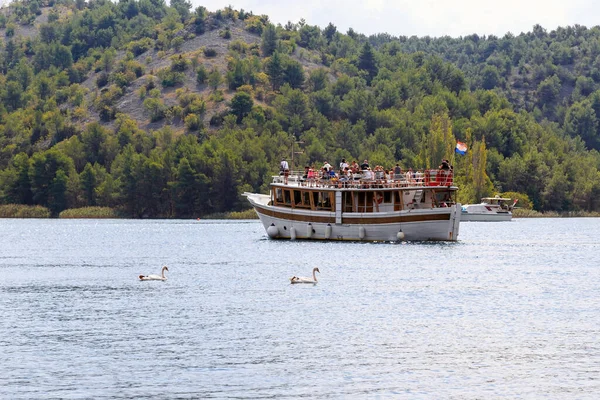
(461, 148)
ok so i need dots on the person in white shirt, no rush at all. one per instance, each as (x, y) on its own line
(284, 167)
(343, 164)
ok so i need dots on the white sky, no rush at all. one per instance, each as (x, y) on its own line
(424, 17)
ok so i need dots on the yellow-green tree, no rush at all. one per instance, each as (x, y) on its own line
(463, 173)
(482, 185)
(438, 144)
(470, 172)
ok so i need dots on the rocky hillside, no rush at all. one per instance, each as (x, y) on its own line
(171, 111)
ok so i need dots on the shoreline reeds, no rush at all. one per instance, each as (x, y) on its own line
(246, 214)
(23, 211)
(523, 213)
(90, 212)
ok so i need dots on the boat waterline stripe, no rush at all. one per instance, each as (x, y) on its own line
(354, 220)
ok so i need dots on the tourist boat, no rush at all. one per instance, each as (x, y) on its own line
(490, 209)
(422, 207)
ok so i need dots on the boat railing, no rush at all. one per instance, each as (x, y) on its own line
(369, 179)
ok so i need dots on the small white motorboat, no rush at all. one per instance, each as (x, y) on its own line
(490, 209)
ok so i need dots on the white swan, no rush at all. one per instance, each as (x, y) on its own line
(302, 279)
(160, 277)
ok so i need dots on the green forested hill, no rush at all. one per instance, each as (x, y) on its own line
(169, 111)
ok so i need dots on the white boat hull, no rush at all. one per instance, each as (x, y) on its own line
(439, 224)
(485, 217)
(491, 209)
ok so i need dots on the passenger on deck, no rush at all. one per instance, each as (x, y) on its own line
(418, 177)
(354, 167)
(444, 173)
(324, 174)
(304, 178)
(369, 177)
(389, 177)
(397, 169)
(409, 175)
(397, 174)
(379, 175)
(445, 165)
(311, 177)
(343, 178)
(284, 168)
(365, 165)
(343, 164)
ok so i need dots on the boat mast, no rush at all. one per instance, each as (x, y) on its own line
(295, 152)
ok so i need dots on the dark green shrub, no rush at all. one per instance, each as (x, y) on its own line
(102, 80)
(210, 52)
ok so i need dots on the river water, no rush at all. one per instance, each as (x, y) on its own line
(510, 311)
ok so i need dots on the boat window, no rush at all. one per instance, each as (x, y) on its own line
(364, 202)
(347, 201)
(306, 199)
(332, 200)
(301, 199)
(369, 201)
(398, 201)
(443, 199)
(287, 197)
(278, 195)
(360, 201)
(297, 198)
(387, 197)
(324, 201)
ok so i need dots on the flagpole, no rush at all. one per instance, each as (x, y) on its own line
(453, 156)
(452, 164)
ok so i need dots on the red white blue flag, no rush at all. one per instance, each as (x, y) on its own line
(461, 148)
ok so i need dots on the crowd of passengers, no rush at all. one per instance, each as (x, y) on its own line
(365, 176)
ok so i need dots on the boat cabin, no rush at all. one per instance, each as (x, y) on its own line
(361, 197)
(502, 202)
(372, 207)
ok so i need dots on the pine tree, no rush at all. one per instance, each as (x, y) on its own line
(214, 79)
(269, 40)
(88, 184)
(367, 62)
(275, 70)
(58, 193)
(241, 105)
(329, 32)
(22, 186)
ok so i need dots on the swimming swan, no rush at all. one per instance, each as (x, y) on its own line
(301, 279)
(160, 277)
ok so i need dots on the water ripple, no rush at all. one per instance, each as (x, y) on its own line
(507, 312)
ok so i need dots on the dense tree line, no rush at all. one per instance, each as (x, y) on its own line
(527, 107)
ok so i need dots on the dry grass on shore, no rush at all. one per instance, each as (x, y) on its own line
(522, 213)
(246, 214)
(23, 211)
(89, 212)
